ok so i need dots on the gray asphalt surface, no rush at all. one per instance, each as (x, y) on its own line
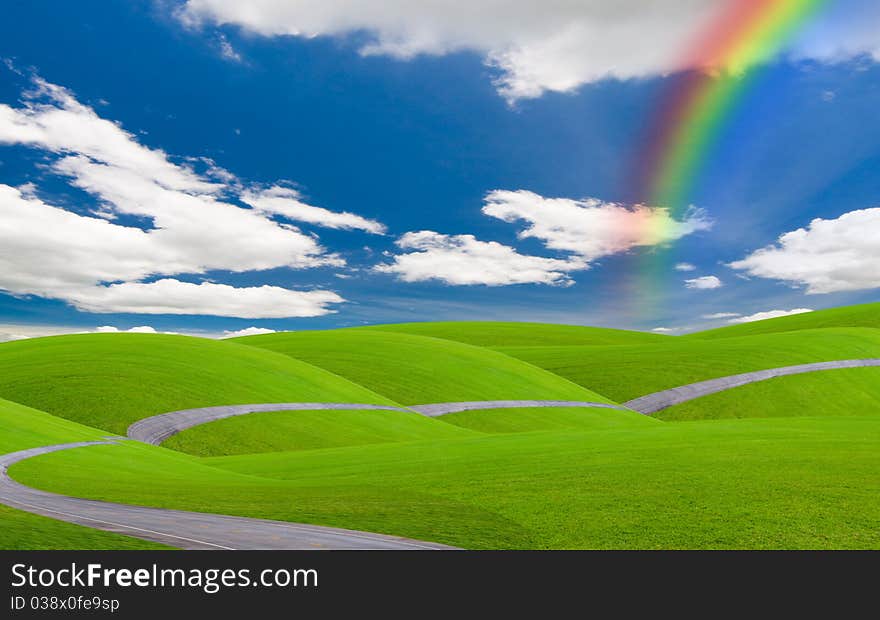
(185, 530)
(158, 428)
(439, 409)
(658, 401)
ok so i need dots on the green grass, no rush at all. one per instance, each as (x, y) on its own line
(22, 531)
(625, 372)
(759, 483)
(417, 370)
(497, 334)
(180, 481)
(109, 381)
(309, 430)
(545, 419)
(22, 428)
(517, 478)
(844, 392)
(864, 315)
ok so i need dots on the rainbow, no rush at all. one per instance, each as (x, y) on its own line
(716, 74)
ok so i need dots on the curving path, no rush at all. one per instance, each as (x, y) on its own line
(438, 409)
(158, 428)
(185, 530)
(652, 403)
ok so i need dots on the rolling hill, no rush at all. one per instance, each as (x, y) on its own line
(416, 370)
(111, 380)
(863, 315)
(499, 334)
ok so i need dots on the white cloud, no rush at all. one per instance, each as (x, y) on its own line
(720, 315)
(248, 331)
(141, 329)
(827, 256)
(23, 332)
(662, 330)
(554, 45)
(685, 267)
(169, 296)
(191, 228)
(703, 283)
(226, 50)
(769, 314)
(591, 228)
(464, 260)
(288, 203)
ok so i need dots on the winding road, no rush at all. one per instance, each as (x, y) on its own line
(185, 530)
(658, 401)
(438, 409)
(156, 429)
(195, 530)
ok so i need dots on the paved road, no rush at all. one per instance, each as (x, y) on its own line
(185, 530)
(160, 427)
(439, 409)
(652, 403)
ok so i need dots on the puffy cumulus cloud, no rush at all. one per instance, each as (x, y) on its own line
(140, 329)
(247, 331)
(685, 267)
(769, 314)
(169, 296)
(464, 260)
(591, 228)
(554, 45)
(192, 227)
(703, 283)
(287, 202)
(827, 256)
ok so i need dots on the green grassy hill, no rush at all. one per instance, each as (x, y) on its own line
(498, 334)
(760, 483)
(545, 419)
(864, 315)
(23, 428)
(626, 372)
(843, 392)
(309, 430)
(111, 380)
(802, 475)
(418, 370)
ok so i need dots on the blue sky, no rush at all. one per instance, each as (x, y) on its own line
(257, 177)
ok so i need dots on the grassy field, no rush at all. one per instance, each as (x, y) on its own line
(109, 381)
(309, 430)
(844, 392)
(417, 370)
(790, 462)
(24, 428)
(863, 315)
(625, 372)
(759, 483)
(545, 419)
(497, 334)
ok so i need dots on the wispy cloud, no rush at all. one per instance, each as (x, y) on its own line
(703, 283)
(464, 260)
(769, 314)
